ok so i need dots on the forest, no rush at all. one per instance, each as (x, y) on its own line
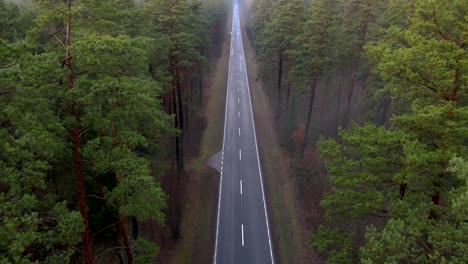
(95, 98)
(109, 110)
(371, 100)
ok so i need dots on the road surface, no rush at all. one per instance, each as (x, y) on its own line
(242, 231)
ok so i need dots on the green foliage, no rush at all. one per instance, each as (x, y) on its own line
(326, 240)
(425, 57)
(14, 21)
(313, 46)
(286, 23)
(145, 251)
(459, 167)
(114, 17)
(397, 174)
(113, 44)
(36, 225)
(173, 22)
(403, 182)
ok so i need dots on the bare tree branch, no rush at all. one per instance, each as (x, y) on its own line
(7, 92)
(58, 40)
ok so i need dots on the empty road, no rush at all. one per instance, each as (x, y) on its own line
(242, 231)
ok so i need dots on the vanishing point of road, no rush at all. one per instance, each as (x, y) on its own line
(242, 230)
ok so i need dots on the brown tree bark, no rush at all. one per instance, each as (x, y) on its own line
(76, 144)
(126, 240)
(313, 87)
(123, 221)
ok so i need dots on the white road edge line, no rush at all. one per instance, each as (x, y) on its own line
(241, 187)
(242, 227)
(258, 158)
(224, 138)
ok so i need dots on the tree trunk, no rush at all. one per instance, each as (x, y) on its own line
(174, 186)
(180, 104)
(280, 78)
(338, 104)
(349, 97)
(364, 95)
(289, 85)
(126, 240)
(81, 190)
(435, 200)
(313, 86)
(192, 85)
(103, 196)
(353, 77)
(76, 144)
(135, 229)
(176, 121)
(115, 241)
(403, 190)
(176, 107)
(456, 82)
(386, 107)
(188, 81)
(123, 221)
(201, 85)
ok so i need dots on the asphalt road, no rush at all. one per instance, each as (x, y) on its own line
(242, 231)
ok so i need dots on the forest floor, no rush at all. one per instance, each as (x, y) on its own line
(200, 194)
(289, 230)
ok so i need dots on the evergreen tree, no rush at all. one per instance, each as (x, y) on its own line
(403, 175)
(285, 25)
(314, 51)
(36, 225)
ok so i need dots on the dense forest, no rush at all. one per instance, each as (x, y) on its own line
(371, 100)
(107, 115)
(95, 100)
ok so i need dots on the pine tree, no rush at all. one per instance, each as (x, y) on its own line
(285, 25)
(174, 25)
(362, 15)
(313, 51)
(404, 175)
(109, 88)
(36, 224)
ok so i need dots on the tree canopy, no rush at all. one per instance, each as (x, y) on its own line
(82, 84)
